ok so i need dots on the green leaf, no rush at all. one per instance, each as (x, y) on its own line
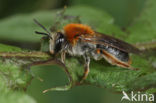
(7, 48)
(144, 27)
(20, 28)
(123, 11)
(105, 75)
(13, 80)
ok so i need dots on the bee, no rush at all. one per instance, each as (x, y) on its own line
(82, 40)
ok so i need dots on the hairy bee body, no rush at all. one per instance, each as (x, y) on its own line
(81, 40)
(95, 51)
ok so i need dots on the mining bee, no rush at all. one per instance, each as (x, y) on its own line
(81, 40)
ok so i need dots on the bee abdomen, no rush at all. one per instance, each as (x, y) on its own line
(114, 52)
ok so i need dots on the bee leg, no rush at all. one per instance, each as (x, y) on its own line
(63, 57)
(86, 68)
(62, 88)
(55, 61)
(28, 66)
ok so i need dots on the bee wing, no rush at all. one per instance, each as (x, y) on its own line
(106, 40)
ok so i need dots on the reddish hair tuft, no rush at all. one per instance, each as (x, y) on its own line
(71, 30)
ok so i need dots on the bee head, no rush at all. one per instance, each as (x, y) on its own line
(56, 39)
(56, 44)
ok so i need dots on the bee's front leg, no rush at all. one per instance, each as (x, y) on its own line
(37, 63)
(50, 62)
(63, 57)
(86, 68)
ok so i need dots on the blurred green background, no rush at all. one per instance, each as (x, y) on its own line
(123, 12)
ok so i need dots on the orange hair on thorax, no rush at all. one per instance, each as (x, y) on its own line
(74, 30)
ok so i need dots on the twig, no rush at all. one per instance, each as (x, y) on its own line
(25, 54)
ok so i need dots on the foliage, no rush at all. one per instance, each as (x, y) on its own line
(14, 80)
(144, 26)
(124, 11)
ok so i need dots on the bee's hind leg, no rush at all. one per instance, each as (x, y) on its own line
(86, 68)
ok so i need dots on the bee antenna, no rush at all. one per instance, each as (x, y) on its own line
(42, 33)
(48, 33)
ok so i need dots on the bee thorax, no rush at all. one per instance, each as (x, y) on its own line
(81, 48)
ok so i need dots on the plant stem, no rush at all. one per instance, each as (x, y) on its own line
(34, 54)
